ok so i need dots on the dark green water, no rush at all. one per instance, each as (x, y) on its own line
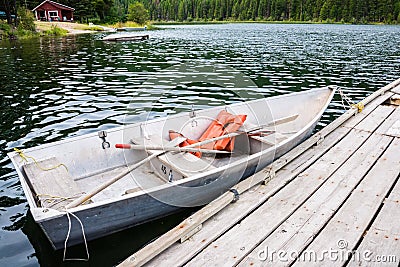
(51, 89)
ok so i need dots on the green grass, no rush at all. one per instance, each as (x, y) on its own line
(131, 24)
(54, 31)
(93, 28)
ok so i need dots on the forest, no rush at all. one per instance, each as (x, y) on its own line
(345, 11)
(349, 11)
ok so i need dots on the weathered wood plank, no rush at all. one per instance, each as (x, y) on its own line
(259, 177)
(294, 234)
(394, 100)
(329, 129)
(396, 90)
(383, 238)
(375, 118)
(258, 225)
(390, 125)
(179, 254)
(118, 37)
(250, 205)
(354, 120)
(278, 164)
(54, 188)
(348, 225)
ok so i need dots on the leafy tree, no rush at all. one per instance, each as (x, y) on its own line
(26, 19)
(324, 13)
(10, 8)
(138, 13)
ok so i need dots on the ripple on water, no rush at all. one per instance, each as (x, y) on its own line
(56, 88)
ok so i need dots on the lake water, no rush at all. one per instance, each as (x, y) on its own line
(52, 89)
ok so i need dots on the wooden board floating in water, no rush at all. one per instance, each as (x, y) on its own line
(125, 37)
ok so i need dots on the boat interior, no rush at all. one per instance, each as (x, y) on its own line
(60, 172)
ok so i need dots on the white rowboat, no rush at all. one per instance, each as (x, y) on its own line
(167, 181)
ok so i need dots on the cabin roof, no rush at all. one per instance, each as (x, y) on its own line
(58, 5)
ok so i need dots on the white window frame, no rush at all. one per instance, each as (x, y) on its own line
(53, 16)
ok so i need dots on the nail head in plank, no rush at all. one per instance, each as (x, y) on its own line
(383, 237)
(294, 234)
(351, 221)
(188, 245)
(254, 228)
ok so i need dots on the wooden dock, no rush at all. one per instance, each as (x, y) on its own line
(125, 37)
(333, 200)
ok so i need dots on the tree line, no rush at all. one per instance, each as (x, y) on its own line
(348, 11)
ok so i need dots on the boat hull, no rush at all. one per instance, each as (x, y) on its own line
(108, 216)
(125, 213)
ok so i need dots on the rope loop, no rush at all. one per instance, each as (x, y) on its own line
(26, 157)
(68, 235)
(345, 98)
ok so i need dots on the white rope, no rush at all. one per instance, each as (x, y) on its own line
(68, 234)
(344, 97)
(359, 106)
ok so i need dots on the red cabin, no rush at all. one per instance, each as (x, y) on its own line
(52, 11)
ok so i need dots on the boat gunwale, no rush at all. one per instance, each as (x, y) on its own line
(57, 213)
(122, 127)
(225, 167)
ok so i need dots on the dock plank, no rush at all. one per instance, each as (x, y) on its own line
(258, 225)
(294, 234)
(266, 197)
(383, 238)
(376, 117)
(348, 225)
(354, 120)
(392, 121)
(179, 254)
(396, 89)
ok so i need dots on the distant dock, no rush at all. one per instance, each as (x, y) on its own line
(334, 200)
(126, 37)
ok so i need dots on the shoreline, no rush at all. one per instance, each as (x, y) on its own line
(266, 22)
(71, 27)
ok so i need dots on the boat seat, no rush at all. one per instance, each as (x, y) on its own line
(271, 139)
(54, 188)
(132, 190)
(184, 163)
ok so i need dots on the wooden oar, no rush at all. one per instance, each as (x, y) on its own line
(248, 131)
(176, 149)
(172, 143)
(101, 187)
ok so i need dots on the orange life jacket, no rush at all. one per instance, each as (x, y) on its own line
(173, 135)
(224, 124)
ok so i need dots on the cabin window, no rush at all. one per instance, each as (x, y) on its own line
(53, 15)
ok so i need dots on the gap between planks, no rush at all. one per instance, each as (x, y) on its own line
(383, 237)
(297, 231)
(349, 224)
(253, 229)
(179, 254)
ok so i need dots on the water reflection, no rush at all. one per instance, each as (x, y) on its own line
(54, 88)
